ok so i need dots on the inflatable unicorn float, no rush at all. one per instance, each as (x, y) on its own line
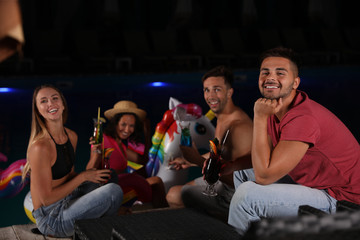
(167, 137)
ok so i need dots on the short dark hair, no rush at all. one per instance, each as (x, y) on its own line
(220, 71)
(287, 53)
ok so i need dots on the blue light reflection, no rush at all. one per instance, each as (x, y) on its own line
(5, 90)
(158, 84)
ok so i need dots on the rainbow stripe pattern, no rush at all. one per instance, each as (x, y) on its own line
(10, 179)
(167, 127)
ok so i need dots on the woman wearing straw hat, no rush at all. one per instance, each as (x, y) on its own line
(124, 133)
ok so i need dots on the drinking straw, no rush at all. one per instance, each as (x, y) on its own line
(98, 120)
(102, 142)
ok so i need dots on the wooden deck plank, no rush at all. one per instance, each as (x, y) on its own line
(24, 232)
(7, 233)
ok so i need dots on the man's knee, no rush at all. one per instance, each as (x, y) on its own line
(189, 194)
(155, 181)
(244, 193)
(173, 196)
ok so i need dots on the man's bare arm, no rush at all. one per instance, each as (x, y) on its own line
(192, 155)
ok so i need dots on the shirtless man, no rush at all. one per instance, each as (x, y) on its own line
(218, 91)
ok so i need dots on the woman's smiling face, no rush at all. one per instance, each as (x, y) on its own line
(49, 104)
(125, 126)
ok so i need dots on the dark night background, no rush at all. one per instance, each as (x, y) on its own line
(100, 52)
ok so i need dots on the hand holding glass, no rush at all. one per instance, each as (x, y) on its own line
(212, 169)
(211, 174)
(213, 165)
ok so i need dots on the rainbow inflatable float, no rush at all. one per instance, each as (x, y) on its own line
(166, 140)
(10, 179)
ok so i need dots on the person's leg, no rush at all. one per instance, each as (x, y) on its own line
(138, 183)
(252, 201)
(173, 196)
(158, 192)
(83, 189)
(102, 201)
(242, 176)
(58, 218)
(217, 206)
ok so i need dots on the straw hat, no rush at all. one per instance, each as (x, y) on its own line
(125, 107)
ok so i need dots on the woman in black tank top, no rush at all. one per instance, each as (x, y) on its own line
(65, 159)
(60, 196)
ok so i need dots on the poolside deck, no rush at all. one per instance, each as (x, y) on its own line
(23, 232)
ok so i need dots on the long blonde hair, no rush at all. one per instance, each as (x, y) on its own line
(38, 123)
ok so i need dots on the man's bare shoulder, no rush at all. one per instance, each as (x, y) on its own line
(235, 120)
(240, 117)
(241, 125)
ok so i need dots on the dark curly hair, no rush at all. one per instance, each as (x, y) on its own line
(136, 136)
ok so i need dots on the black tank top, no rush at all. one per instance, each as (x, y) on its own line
(65, 158)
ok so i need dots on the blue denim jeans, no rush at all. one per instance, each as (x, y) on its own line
(89, 200)
(253, 201)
